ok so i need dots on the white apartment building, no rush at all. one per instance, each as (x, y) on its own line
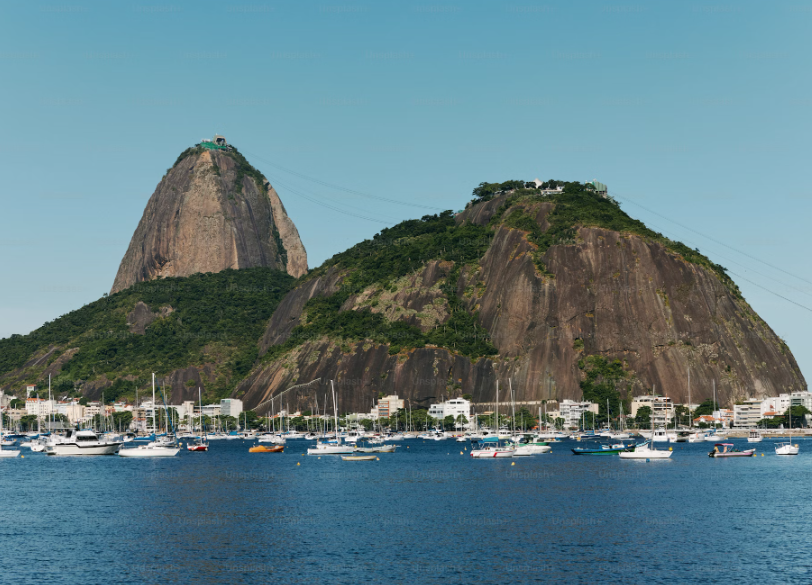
(39, 407)
(211, 410)
(454, 407)
(231, 407)
(662, 409)
(74, 411)
(571, 411)
(747, 414)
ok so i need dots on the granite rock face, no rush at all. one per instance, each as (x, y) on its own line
(206, 215)
(611, 294)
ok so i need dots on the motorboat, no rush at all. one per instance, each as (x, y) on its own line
(714, 438)
(264, 449)
(152, 449)
(330, 449)
(526, 449)
(696, 437)
(754, 436)
(200, 445)
(645, 451)
(378, 449)
(83, 442)
(604, 449)
(729, 450)
(358, 458)
(492, 449)
(659, 436)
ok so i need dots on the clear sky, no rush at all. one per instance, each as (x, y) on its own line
(697, 111)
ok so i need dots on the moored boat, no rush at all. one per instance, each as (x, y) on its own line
(604, 449)
(729, 450)
(645, 451)
(266, 449)
(84, 442)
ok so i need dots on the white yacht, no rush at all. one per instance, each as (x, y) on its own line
(85, 442)
(754, 436)
(659, 436)
(645, 451)
(162, 448)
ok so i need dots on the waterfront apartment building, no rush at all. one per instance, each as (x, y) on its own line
(748, 413)
(662, 409)
(74, 411)
(231, 407)
(387, 406)
(39, 407)
(454, 407)
(572, 411)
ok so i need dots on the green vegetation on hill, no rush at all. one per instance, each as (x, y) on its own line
(215, 318)
(578, 206)
(393, 253)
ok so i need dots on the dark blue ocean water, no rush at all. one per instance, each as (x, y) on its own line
(423, 515)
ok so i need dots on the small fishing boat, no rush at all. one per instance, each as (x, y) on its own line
(729, 450)
(604, 449)
(265, 449)
(358, 457)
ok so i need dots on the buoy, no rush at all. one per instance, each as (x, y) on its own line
(377, 459)
(297, 463)
(22, 456)
(460, 452)
(671, 448)
(762, 454)
(513, 463)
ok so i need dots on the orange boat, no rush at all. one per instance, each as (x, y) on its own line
(264, 449)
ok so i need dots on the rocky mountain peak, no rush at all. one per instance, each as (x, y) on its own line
(211, 211)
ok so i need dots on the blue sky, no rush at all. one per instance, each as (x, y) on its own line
(699, 112)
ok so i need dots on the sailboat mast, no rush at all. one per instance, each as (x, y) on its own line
(153, 403)
(690, 417)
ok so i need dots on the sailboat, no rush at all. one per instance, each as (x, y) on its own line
(787, 448)
(491, 449)
(714, 436)
(200, 443)
(5, 453)
(646, 450)
(325, 448)
(163, 447)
